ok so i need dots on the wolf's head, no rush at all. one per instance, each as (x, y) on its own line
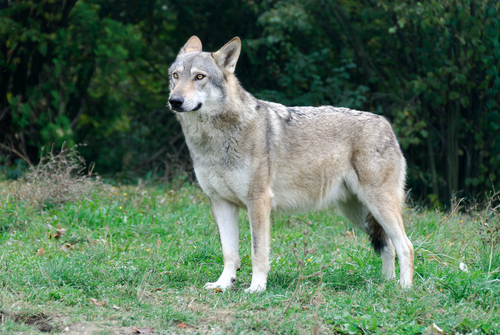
(199, 80)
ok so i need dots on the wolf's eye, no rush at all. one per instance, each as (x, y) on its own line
(200, 77)
(176, 75)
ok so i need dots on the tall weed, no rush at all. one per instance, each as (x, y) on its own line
(57, 179)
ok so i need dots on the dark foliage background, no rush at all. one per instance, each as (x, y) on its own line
(95, 72)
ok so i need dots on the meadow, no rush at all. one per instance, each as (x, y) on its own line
(129, 259)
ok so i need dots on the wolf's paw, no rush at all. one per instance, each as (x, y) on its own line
(258, 284)
(405, 284)
(221, 284)
(255, 288)
(211, 286)
(406, 279)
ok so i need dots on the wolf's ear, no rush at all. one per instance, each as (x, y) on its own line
(227, 56)
(193, 44)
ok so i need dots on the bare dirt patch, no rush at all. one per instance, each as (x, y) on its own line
(39, 320)
(89, 328)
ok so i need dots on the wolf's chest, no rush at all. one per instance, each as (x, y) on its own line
(221, 161)
(231, 185)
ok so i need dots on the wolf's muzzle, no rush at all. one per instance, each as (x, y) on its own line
(176, 101)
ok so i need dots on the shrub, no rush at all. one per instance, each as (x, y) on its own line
(59, 178)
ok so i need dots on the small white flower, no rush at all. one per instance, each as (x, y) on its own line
(463, 267)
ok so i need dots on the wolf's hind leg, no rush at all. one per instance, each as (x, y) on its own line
(359, 215)
(382, 244)
(388, 260)
(226, 216)
(354, 211)
(386, 210)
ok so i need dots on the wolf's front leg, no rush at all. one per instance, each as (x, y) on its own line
(226, 217)
(259, 211)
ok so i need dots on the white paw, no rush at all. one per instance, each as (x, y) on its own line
(222, 284)
(211, 286)
(405, 284)
(389, 275)
(258, 284)
(255, 288)
(406, 279)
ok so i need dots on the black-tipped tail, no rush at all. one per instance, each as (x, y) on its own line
(378, 237)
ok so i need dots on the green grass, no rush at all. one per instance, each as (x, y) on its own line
(148, 253)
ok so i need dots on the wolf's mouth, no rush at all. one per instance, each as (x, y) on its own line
(181, 110)
(197, 107)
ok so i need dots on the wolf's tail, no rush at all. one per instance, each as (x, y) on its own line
(378, 237)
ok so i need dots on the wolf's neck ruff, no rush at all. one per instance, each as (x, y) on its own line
(263, 156)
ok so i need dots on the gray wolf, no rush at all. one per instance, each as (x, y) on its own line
(263, 156)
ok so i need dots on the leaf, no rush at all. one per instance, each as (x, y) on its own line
(351, 328)
(42, 47)
(59, 232)
(40, 252)
(181, 325)
(218, 290)
(68, 247)
(98, 304)
(453, 95)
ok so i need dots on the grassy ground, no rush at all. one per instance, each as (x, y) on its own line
(138, 257)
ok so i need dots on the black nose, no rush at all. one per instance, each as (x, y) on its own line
(176, 101)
